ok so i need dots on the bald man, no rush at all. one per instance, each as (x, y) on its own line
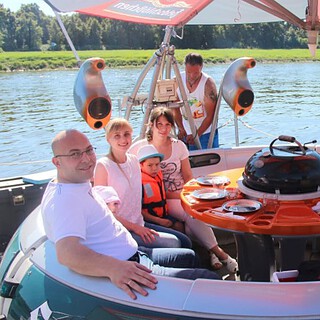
(88, 238)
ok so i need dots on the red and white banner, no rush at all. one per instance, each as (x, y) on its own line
(302, 13)
(157, 12)
(161, 12)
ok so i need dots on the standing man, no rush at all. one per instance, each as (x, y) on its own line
(89, 239)
(202, 97)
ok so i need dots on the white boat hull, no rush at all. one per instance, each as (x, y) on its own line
(33, 282)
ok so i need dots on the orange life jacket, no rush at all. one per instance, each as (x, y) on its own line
(153, 195)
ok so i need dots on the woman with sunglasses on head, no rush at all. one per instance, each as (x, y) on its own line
(176, 172)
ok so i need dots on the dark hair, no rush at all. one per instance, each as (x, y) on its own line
(193, 59)
(155, 114)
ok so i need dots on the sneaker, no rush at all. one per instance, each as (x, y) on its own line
(231, 264)
(215, 262)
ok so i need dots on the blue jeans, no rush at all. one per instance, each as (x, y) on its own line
(179, 263)
(184, 239)
(164, 240)
(204, 139)
(172, 257)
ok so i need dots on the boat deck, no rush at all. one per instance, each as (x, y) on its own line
(227, 243)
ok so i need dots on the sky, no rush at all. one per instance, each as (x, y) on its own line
(15, 5)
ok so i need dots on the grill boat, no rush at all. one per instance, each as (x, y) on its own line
(35, 286)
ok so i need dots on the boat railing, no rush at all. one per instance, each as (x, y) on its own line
(162, 62)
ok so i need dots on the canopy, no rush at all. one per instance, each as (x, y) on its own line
(303, 13)
(201, 12)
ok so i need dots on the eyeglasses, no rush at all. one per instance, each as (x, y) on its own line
(77, 155)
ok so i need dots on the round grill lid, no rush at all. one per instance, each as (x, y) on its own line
(285, 169)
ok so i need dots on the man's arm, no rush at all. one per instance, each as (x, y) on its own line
(178, 119)
(210, 103)
(126, 275)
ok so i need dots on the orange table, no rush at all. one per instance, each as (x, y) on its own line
(291, 224)
(291, 218)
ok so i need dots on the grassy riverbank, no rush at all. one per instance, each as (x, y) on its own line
(15, 61)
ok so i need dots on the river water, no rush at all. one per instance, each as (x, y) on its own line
(34, 106)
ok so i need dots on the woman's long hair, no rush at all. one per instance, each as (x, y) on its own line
(155, 114)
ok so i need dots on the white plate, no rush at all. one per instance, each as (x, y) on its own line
(209, 194)
(242, 205)
(213, 180)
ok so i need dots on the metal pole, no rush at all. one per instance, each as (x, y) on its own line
(215, 120)
(154, 60)
(136, 88)
(151, 95)
(236, 130)
(157, 61)
(65, 32)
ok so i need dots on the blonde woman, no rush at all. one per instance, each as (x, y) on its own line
(176, 171)
(122, 171)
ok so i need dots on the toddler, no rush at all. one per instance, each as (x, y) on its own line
(110, 196)
(154, 204)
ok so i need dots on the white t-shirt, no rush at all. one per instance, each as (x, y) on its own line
(75, 210)
(171, 167)
(127, 183)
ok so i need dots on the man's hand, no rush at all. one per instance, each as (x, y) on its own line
(131, 276)
(190, 139)
(182, 133)
(127, 275)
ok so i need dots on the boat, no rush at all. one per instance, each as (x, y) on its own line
(33, 283)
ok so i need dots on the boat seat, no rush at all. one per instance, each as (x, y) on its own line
(40, 178)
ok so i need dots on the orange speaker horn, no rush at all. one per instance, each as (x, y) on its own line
(90, 94)
(236, 89)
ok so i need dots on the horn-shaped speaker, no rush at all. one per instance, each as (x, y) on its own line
(236, 89)
(90, 94)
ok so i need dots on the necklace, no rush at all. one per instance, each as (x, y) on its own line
(193, 83)
(114, 159)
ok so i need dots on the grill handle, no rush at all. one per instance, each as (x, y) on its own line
(290, 140)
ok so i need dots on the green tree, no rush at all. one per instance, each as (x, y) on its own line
(29, 33)
(77, 30)
(31, 29)
(295, 37)
(105, 29)
(10, 41)
(7, 30)
(94, 40)
(2, 24)
(56, 38)
(117, 36)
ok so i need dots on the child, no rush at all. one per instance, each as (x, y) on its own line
(110, 196)
(154, 204)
